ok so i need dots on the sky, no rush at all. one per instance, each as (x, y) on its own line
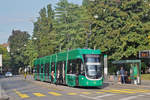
(19, 15)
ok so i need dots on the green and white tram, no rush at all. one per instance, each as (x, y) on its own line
(79, 67)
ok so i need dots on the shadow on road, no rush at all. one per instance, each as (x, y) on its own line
(99, 87)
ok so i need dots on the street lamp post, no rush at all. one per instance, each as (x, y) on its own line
(60, 47)
(90, 26)
(90, 29)
(88, 35)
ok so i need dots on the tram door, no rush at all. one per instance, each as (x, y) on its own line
(48, 74)
(59, 72)
(63, 73)
(45, 71)
(41, 72)
(38, 71)
(78, 63)
(52, 72)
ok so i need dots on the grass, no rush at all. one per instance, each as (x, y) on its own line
(145, 76)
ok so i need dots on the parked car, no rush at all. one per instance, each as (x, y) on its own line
(8, 74)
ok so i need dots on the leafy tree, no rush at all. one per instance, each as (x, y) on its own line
(85, 2)
(5, 57)
(16, 42)
(121, 29)
(69, 29)
(30, 52)
(45, 32)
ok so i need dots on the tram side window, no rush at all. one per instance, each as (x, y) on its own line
(46, 67)
(63, 69)
(59, 66)
(53, 66)
(82, 70)
(79, 66)
(42, 68)
(74, 66)
(69, 67)
(38, 69)
(74, 70)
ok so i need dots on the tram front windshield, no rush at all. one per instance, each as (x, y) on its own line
(93, 66)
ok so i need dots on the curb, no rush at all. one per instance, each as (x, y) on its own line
(3, 95)
(127, 85)
(4, 98)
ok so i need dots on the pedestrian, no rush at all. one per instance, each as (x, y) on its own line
(122, 73)
(118, 73)
(52, 76)
(25, 76)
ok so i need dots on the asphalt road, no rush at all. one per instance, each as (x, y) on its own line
(19, 89)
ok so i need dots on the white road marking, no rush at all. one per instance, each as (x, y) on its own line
(131, 97)
(147, 93)
(106, 95)
(86, 96)
(98, 97)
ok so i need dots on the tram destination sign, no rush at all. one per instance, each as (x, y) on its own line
(144, 54)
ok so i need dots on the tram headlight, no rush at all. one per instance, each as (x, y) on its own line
(82, 78)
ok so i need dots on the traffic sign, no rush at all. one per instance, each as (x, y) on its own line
(144, 54)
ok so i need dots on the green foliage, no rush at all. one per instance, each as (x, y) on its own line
(30, 53)
(68, 25)
(143, 65)
(44, 32)
(85, 2)
(120, 31)
(122, 27)
(5, 57)
(145, 76)
(17, 41)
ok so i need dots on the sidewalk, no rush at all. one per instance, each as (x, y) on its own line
(144, 84)
(28, 77)
(3, 95)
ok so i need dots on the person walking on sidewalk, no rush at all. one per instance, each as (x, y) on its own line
(52, 77)
(25, 75)
(122, 73)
